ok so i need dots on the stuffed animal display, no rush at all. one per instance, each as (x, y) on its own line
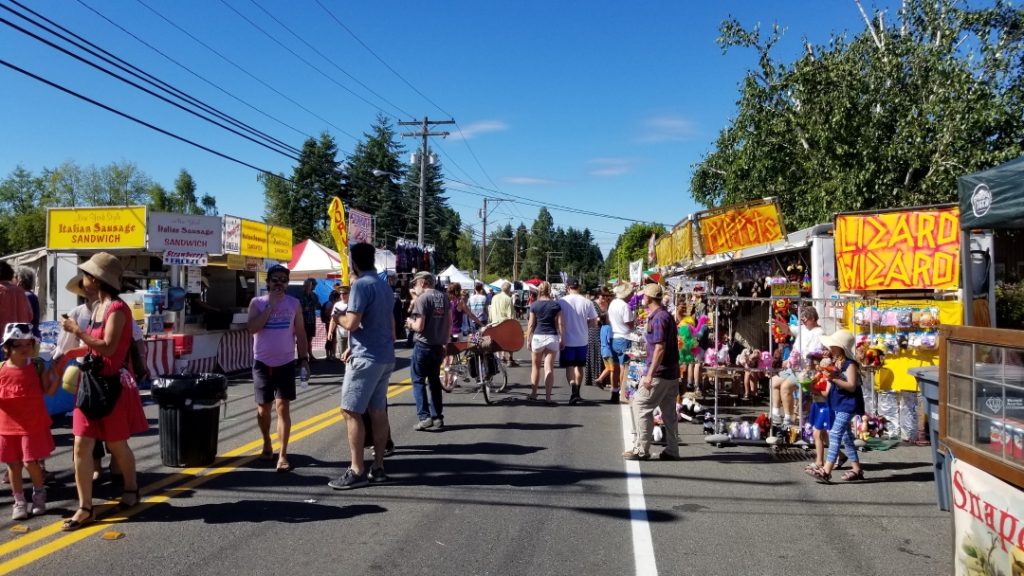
(780, 313)
(689, 339)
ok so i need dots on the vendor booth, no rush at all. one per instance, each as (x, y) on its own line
(189, 278)
(981, 398)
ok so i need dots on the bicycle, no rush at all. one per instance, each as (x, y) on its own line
(476, 359)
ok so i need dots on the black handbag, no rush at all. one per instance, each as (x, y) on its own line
(97, 394)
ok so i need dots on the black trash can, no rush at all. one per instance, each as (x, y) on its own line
(189, 417)
(928, 382)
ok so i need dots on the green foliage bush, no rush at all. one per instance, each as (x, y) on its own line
(1010, 305)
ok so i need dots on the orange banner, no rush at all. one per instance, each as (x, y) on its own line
(898, 250)
(741, 227)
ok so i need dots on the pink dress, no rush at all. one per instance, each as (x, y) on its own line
(127, 417)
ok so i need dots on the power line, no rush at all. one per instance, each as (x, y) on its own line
(246, 72)
(273, 146)
(134, 119)
(192, 72)
(379, 59)
(301, 59)
(329, 60)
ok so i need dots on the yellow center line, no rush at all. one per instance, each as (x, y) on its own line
(199, 475)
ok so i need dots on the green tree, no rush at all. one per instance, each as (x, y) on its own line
(541, 247)
(631, 246)
(499, 253)
(184, 198)
(888, 118)
(467, 250)
(159, 199)
(302, 203)
(384, 195)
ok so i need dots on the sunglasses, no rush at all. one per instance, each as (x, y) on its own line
(277, 280)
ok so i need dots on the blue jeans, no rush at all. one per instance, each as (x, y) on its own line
(840, 434)
(426, 369)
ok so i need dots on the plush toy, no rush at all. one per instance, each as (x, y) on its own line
(689, 332)
(723, 355)
(826, 369)
(928, 319)
(709, 423)
(763, 424)
(780, 312)
(711, 357)
(765, 362)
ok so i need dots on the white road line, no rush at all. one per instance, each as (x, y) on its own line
(643, 546)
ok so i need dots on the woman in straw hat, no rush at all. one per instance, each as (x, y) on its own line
(108, 336)
(845, 399)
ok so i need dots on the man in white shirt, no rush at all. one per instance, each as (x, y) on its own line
(807, 340)
(578, 314)
(621, 320)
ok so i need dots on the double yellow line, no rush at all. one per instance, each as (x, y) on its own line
(163, 490)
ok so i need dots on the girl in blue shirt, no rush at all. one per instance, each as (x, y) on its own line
(845, 399)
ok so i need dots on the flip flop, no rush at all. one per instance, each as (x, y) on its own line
(281, 469)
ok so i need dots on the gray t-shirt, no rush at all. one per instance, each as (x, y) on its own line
(433, 307)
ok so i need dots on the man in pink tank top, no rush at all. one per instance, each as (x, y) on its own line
(275, 322)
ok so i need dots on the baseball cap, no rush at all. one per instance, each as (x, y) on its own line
(652, 290)
(278, 268)
(572, 282)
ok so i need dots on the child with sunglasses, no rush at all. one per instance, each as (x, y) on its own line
(24, 422)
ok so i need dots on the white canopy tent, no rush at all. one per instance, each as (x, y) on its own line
(310, 259)
(497, 284)
(453, 274)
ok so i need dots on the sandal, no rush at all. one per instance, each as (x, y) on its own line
(812, 468)
(821, 477)
(532, 397)
(853, 475)
(70, 525)
(126, 502)
(841, 461)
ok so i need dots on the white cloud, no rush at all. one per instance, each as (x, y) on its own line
(475, 129)
(528, 181)
(606, 167)
(667, 129)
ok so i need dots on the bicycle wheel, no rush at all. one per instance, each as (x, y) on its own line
(481, 373)
(501, 377)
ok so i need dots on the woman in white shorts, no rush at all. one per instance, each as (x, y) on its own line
(544, 331)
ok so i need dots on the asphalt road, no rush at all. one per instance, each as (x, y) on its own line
(516, 488)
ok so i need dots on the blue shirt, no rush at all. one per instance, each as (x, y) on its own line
(374, 338)
(840, 400)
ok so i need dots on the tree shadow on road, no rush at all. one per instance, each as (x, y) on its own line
(285, 512)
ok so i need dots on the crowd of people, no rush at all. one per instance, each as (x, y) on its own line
(591, 336)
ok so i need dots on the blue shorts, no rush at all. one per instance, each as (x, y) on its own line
(619, 348)
(820, 416)
(365, 385)
(573, 356)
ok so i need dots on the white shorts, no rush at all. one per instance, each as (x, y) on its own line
(542, 342)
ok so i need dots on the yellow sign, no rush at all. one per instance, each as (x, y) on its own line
(730, 229)
(254, 239)
(664, 250)
(96, 228)
(336, 212)
(898, 250)
(682, 242)
(280, 240)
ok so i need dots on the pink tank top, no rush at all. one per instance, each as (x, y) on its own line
(274, 345)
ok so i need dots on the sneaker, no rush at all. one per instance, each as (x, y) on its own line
(377, 475)
(20, 510)
(787, 421)
(425, 424)
(438, 423)
(574, 396)
(38, 502)
(776, 420)
(634, 455)
(615, 397)
(349, 480)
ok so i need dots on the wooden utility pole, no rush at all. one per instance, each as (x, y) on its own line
(483, 241)
(424, 133)
(515, 256)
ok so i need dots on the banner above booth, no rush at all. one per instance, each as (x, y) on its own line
(912, 248)
(741, 226)
(96, 228)
(184, 233)
(257, 239)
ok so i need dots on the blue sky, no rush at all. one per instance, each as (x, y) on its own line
(601, 105)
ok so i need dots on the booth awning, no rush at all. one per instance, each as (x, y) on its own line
(993, 198)
(312, 258)
(453, 274)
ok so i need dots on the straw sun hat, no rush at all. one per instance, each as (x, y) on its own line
(841, 339)
(103, 266)
(623, 290)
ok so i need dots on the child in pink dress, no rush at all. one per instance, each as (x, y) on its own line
(24, 423)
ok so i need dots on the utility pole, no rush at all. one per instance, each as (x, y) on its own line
(424, 132)
(483, 242)
(515, 255)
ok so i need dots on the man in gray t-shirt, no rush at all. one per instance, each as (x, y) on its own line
(431, 322)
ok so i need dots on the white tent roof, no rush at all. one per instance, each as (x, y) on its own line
(497, 283)
(310, 259)
(453, 274)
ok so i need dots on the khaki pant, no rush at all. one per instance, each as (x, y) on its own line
(661, 395)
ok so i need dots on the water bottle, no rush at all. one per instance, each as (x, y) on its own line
(303, 377)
